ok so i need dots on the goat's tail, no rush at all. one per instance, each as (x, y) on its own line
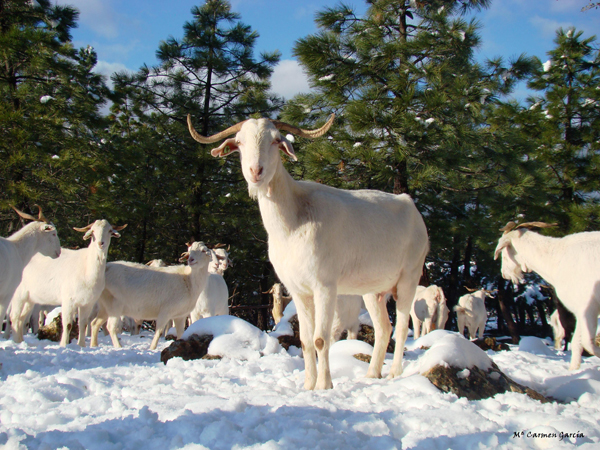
(462, 310)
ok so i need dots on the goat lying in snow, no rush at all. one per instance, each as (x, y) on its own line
(324, 242)
(471, 312)
(570, 264)
(345, 318)
(429, 310)
(74, 281)
(16, 251)
(152, 293)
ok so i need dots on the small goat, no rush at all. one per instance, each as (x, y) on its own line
(152, 293)
(471, 312)
(429, 310)
(214, 298)
(570, 264)
(324, 242)
(74, 281)
(16, 251)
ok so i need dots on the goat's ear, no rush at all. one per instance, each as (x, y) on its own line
(286, 147)
(501, 246)
(87, 235)
(113, 233)
(48, 227)
(226, 148)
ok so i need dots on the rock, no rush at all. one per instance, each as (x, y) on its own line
(476, 384)
(363, 357)
(196, 347)
(53, 331)
(489, 343)
(367, 334)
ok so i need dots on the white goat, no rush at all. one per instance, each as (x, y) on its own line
(214, 298)
(570, 264)
(557, 330)
(74, 281)
(152, 293)
(325, 241)
(16, 251)
(471, 312)
(429, 310)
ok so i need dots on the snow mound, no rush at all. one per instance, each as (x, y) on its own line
(532, 344)
(284, 327)
(575, 389)
(342, 361)
(449, 349)
(234, 338)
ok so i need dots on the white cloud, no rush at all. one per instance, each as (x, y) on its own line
(107, 69)
(547, 27)
(289, 79)
(101, 16)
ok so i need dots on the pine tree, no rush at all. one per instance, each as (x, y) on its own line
(50, 144)
(567, 116)
(412, 106)
(182, 191)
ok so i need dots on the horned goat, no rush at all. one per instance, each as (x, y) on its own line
(152, 293)
(570, 264)
(429, 310)
(74, 281)
(325, 241)
(16, 251)
(471, 312)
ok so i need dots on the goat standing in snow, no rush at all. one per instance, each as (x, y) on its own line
(471, 312)
(73, 281)
(16, 251)
(429, 310)
(325, 241)
(571, 264)
(152, 293)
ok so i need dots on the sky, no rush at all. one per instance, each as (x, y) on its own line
(126, 34)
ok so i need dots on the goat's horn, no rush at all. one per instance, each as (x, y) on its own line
(120, 227)
(24, 215)
(470, 290)
(215, 137)
(84, 229)
(41, 217)
(530, 225)
(218, 246)
(508, 227)
(311, 134)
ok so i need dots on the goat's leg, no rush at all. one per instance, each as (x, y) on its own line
(161, 324)
(84, 320)
(406, 292)
(416, 326)
(576, 348)
(482, 328)
(325, 299)
(180, 326)
(113, 325)
(68, 314)
(588, 330)
(306, 321)
(98, 321)
(19, 310)
(382, 329)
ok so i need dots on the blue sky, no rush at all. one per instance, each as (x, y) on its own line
(126, 33)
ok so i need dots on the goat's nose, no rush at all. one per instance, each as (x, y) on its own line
(256, 171)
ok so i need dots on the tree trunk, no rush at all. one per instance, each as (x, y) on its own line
(504, 299)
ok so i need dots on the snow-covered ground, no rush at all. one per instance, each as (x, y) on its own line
(106, 398)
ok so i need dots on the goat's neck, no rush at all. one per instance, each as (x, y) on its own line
(196, 278)
(25, 241)
(95, 264)
(539, 253)
(279, 209)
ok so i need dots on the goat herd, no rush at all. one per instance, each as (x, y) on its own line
(332, 249)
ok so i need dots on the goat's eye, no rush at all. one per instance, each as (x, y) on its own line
(276, 141)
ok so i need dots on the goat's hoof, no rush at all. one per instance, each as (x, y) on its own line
(373, 374)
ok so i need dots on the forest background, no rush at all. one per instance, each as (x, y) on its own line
(416, 113)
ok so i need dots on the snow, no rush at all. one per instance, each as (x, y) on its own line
(107, 398)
